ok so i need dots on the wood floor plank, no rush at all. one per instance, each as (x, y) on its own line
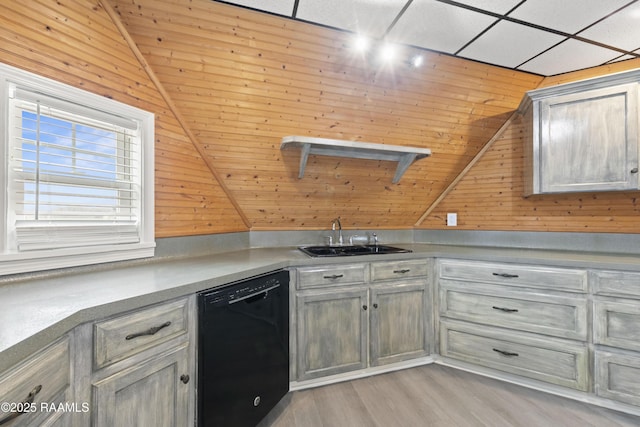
(436, 396)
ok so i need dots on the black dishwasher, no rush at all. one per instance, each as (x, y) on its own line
(243, 350)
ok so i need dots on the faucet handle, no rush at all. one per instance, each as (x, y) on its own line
(358, 240)
(375, 239)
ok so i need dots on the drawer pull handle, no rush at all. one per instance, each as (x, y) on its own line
(25, 405)
(506, 275)
(506, 310)
(333, 276)
(151, 331)
(505, 353)
(405, 270)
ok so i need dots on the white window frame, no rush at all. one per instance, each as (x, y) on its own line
(12, 261)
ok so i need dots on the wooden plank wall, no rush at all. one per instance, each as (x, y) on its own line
(243, 80)
(490, 197)
(77, 43)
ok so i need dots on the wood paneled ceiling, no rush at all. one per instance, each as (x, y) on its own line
(227, 83)
(242, 80)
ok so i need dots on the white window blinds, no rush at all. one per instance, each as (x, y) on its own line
(73, 176)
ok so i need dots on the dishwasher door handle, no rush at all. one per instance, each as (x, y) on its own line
(263, 291)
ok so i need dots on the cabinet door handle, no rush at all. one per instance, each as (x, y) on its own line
(333, 276)
(634, 170)
(375, 305)
(151, 331)
(405, 270)
(506, 275)
(24, 405)
(184, 378)
(364, 307)
(505, 353)
(506, 310)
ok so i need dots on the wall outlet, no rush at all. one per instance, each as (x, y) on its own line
(452, 219)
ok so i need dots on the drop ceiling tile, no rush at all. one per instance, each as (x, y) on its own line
(621, 30)
(509, 44)
(563, 15)
(370, 17)
(438, 26)
(569, 56)
(495, 6)
(281, 7)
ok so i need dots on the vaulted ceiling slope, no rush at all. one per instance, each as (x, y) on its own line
(227, 83)
(545, 37)
(76, 42)
(242, 80)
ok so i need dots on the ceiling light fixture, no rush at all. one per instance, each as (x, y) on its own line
(387, 52)
(361, 43)
(417, 61)
(379, 52)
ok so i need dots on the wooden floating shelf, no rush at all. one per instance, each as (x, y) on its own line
(405, 156)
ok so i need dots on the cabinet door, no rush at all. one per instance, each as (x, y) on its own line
(151, 393)
(589, 140)
(399, 322)
(617, 376)
(332, 332)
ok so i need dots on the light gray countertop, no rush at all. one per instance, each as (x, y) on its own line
(37, 311)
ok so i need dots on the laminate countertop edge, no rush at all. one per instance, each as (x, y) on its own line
(36, 312)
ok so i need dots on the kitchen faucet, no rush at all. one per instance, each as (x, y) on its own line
(333, 227)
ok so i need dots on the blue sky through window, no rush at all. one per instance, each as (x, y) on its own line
(78, 165)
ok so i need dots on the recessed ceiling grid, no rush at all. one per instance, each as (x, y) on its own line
(538, 36)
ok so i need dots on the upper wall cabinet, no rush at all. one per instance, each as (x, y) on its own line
(582, 136)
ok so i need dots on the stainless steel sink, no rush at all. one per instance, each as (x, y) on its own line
(334, 251)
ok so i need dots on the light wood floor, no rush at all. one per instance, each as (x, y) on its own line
(437, 396)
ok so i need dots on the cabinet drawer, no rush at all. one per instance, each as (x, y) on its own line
(617, 283)
(617, 377)
(124, 336)
(616, 324)
(546, 359)
(515, 275)
(45, 378)
(399, 269)
(310, 277)
(561, 316)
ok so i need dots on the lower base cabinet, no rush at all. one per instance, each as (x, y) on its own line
(332, 332)
(399, 323)
(616, 335)
(154, 392)
(552, 360)
(346, 322)
(143, 365)
(344, 330)
(618, 377)
(40, 391)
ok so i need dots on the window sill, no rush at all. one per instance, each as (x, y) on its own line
(73, 257)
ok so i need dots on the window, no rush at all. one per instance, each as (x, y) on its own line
(78, 176)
